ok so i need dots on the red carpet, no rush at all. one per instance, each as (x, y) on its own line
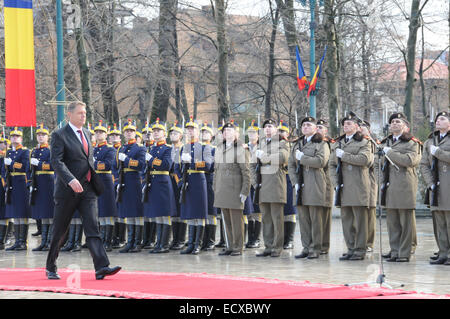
(154, 285)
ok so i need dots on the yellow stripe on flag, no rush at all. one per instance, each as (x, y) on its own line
(19, 44)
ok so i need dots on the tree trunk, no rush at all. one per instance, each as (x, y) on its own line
(167, 27)
(275, 20)
(83, 63)
(332, 66)
(222, 94)
(414, 24)
(180, 92)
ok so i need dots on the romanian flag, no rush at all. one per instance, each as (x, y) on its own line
(312, 85)
(19, 63)
(301, 76)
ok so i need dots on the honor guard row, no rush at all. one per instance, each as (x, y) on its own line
(155, 191)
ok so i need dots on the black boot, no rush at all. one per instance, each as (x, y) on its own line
(157, 246)
(122, 230)
(198, 239)
(77, 241)
(165, 234)
(23, 236)
(3, 230)
(49, 238)
(175, 227)
(44, 233)
(191, 239)
(108, 238)
(251, 231)
(289, 229)
(17, 237)
(115, 236)
(39, 228)
(10, 232)
(129, 245)
(137, 245)
(245, 231)
(256, 232)
(70, 239)
(182, 227)
(145, 235)
(151, 241)
(221, 242)
(210, 238)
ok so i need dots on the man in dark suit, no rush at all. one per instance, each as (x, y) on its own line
(76, 188)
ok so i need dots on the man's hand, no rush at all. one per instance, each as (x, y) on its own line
(259, 153)
(298, 155)
(433, 149)
(339, 153)
(34, 161)
(386, 149)
(8, 161)
(76, 186)
(243, 198)
(122, 157)
(186, 157)
(148, 157)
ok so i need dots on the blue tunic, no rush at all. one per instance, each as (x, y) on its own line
(161, 197)
(196, 199)
(134, 164)
(2, 191)
(175, 177)
(45, 183)
(104, 156)
(209, 183)
(20, 165)
(289, 208)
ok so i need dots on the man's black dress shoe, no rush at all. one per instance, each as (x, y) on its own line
(225, 252)
(236, 253)
(345, 257)
(52, 274)
(392, 259)
(275, 254)
(402, 259)
(106, 271)
(356, 257)
(302, 255)
(439, 261)
(263, 254)
(388, 255)
(313, 255)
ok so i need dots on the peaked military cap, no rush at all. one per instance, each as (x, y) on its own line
(130, 126)
(42, 129)
(400, 116)
(16, 131)
(269, 121)
(308, 119)
(350, 117)
(101, 127)
(207, 127)
(176, 127)
(443, 113)
(159, 125)
(322, 122)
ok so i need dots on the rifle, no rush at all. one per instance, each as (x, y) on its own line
(300, 181)
(33, 187)
(8, 188)
(385, 185)
(340, 184)
(433, 190)
(148, 184)
(258, 181)
(185, 183)
(121, 184)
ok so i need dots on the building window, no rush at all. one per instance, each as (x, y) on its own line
(200, 92)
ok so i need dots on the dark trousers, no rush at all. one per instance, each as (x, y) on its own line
(86, 204)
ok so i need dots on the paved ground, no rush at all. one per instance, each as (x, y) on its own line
(417, 275)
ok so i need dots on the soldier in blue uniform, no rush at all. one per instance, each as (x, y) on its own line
(195, 161)
(44, 177)
(104, 160)
(255, 218)
(209, 238)
(289, 209)
(119, 229)
(179, 225)
(149, 232)
(131, 158)
(3, 219)
(160, 198)
(17, 166)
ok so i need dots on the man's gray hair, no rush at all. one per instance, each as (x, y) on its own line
(73, 105)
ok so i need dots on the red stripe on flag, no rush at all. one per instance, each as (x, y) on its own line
(20, 97)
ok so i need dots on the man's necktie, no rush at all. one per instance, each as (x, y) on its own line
(86, 150)
(346, 140)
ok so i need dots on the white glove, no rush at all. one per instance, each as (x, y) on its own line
(259, 153)
(243, 198)
(339, 152)
(297, 187)
(298, 155)
(122, 157)
(95, 159)
(8, 161)
(34, 161)
(386, 149)
(186, 157)
(148, 157)
(433, 149)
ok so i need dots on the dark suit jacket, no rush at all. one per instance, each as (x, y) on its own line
(69, 161)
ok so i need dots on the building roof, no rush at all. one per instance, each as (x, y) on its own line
(397, 71)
